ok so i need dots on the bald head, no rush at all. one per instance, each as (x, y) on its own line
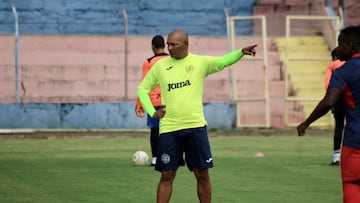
(179, 34)
(178, 43)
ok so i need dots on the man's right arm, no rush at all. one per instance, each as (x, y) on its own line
(331, 97)
(138, 107)
(147, 84)
(145, 101)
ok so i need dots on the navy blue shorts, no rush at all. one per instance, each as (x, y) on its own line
(153, 122)
(193, 143)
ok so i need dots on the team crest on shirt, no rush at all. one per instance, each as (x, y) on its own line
(189, 69)
(165, 158)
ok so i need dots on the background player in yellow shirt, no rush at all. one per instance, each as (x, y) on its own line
(182, 122)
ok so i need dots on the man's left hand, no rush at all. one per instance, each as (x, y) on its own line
(160, 113)
(250, 50)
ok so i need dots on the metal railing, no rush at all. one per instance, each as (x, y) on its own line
(236, 98)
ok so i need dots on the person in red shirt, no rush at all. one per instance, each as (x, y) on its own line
(157, 46)
(338, 110)
(345, 83)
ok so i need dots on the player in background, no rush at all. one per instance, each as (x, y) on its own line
(182, 123)
(157, 46)
(345, 83)
(338, 110)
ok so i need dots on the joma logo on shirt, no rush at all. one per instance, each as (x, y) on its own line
(178, 85)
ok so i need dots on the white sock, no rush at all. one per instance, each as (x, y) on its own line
(336, 156)
(153, 161)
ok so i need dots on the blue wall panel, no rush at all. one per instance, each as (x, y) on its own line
(104, 17)
(97, 116)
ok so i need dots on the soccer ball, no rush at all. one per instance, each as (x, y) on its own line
(140, 158)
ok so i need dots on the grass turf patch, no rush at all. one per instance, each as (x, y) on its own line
(294, 169)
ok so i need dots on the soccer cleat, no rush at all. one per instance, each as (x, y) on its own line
(334, 163)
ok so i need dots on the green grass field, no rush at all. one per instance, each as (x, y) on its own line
(98, 169)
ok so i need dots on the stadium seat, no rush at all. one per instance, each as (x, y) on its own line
(308, 58)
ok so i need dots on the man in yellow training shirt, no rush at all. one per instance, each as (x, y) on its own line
(182, 122)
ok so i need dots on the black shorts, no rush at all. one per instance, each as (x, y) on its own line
(193, 142)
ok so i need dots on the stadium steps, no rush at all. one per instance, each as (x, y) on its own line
(308, 59)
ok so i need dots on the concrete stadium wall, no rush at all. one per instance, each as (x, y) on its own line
(78, 69)
(85, 74)
(104, 17)
(277, 10)
(351, 11)
(61, 38)
(72, 59)
(76, 82)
